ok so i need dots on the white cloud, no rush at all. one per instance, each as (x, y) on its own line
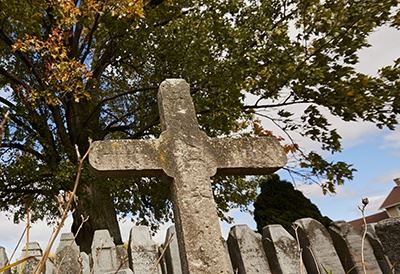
(392, 141)
(374, 203)
(353, 133)
(39, 232)
(315, 191)
(310, 190)
(382, 52)
(385, 179)
(373, 206)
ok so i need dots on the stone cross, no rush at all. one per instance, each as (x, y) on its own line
(186, 157)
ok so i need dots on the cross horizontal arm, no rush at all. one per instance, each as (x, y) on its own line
(119, 158)
(247, 156)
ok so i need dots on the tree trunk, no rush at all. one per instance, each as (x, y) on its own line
(95, 202)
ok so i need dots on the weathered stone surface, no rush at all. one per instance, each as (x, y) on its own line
(143, 251)
(4, 260)
(34, 249)
(189, 158)
(122, 256)
(84, 260)
(247, 155)
(67, 239)
(172, 258)
(104, 253)
(50, 268)
(380, 256)
(282, 250)
(126, 158)
(319, 254)
(67, 255)
(388, 232)
(347, 242)
(246, 251)
(30, 265)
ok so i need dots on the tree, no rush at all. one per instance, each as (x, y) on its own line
(71, 70)
(279, 203)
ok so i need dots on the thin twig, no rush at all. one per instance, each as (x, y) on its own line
(362, 209)
(122, 260)
(14, 264)
(315, 260)
(64, 216)
(16, 248)
(28, 226)
(299, 249)
(156, 262)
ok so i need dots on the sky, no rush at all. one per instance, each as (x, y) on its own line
(374, 153)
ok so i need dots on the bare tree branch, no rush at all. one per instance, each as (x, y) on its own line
(13, 78)
(100, 104)
(68, 206)
(62, 132)
(4, 37)
(23, 148)
(255, 106)
(7, 103)
(90, 35)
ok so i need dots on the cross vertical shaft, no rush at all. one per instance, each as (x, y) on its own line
(190, 166)
(186, 157)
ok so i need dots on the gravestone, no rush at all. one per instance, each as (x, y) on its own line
(282, 250)
(122, 256)
(246, 251)
(388, 232)
(84, 260)
(347, 242)
(67, 255)
(377, 247)
(172, 258)
(29, 266)
(319, 254)
(163, 263)
(104, 255)
(4, 260)
(50, 267)
(186, 158)
(143, 251)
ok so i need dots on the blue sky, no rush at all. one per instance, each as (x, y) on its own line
(377, 164)
(375, 154)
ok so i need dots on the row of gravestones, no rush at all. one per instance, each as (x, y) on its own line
(309, 248)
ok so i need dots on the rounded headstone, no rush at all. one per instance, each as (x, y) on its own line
(388, 232)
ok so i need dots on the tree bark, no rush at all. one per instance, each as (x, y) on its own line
(95, 202)
(94, 197)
